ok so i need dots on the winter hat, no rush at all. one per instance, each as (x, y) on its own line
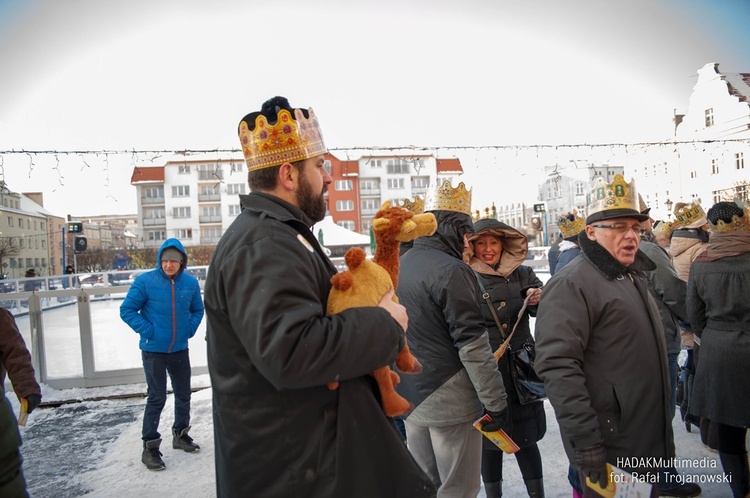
(727, 217)
(172, 254)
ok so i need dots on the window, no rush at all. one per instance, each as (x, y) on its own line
(155, 235)
(234, 210)
(44, 262)
(327, 166)
(44, 244)
(580, 188)
(180, 190)
(235, 167)
(397, 166)
(185, 233)
(211, 211)
(28, 263)
(343, 185)
(348, 224)
(739, 160)
(344, 206)
(395, 183)
(235, 188)
(420, 182)
(181, 212)
(693, 174)
(369, 187)
(366, 225)
(184, 168)
(21, 242)
(210, 172)
(370, 205)
(709, 117)
(714, 167)
(376, 163)
(10, 221)
(20, 223)
(154, 214)
(153, 192)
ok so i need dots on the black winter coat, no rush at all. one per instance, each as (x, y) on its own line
(278, 429)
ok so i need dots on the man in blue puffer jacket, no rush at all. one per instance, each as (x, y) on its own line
(164, 307)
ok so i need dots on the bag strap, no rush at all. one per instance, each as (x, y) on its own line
(506, 340)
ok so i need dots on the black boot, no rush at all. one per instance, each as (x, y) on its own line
(494, 489)
(736, 469)
(535, 487)
(181, 441)
(151, 456)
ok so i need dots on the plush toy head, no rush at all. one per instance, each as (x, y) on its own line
(372, 282)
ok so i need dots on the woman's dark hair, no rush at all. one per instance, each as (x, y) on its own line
(724, 211)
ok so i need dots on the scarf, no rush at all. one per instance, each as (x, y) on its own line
(727, 244)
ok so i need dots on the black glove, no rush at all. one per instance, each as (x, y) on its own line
(592, 461)
(499, 420)
(32, 401)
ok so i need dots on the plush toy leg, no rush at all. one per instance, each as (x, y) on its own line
(393, 403)
(406, 362)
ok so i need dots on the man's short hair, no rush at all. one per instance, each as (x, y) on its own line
(266, 179)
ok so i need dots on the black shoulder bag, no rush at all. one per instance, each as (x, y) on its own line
(529, 386)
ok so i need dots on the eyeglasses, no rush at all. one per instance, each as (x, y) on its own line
(639, 230)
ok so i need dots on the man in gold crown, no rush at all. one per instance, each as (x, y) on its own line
(278, 429)
(447, 332)
(570, 226)
(600, 346)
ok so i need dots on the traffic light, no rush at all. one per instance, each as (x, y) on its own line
(75, 227)
(539, 208)
(80, 244)
(536, 223)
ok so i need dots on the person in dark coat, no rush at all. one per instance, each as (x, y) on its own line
(272, 350)
(600, 345)
(448, 334)
(553, 254)
(496, 252)
(719, 311)
(570, 226)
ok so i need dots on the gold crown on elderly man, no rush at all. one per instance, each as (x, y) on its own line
(615, 195)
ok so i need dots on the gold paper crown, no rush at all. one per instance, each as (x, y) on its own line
(737, 223)
(570, 228)
(616, 195)
(687, 214)
(416, 207)
(664, 228)
(288, 140)
(447, 198)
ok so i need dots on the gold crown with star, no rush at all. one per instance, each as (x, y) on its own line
(447, 198)
(737, 224)
(289, 139)
(687, 214)
(570, 228)
(416, 206)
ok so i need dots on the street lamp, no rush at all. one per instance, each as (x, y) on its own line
(668, 203)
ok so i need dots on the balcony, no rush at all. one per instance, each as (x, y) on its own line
(210, 219)
(149, 222)
(152, 200)
(418, 190)
(370, 211)
(209, 197)
(210, 240)
(211, 175)
(369, 191)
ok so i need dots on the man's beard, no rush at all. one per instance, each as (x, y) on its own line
(314, 206)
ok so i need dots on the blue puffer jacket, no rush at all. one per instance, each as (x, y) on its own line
(165, 311)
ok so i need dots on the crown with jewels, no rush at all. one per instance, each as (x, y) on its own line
(416, 206)
(617, 195)
(738, 223)
(688, 214)
(664, 228)
(570, 228)
(289, 139)
(447, 198)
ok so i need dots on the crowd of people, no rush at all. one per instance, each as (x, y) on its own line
(625, 297)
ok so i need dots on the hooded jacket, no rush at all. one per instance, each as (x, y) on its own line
(601, 353)
(447, 332)
(506, 286)
(278, 429)
(165, 311)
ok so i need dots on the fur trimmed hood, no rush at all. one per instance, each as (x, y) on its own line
(607, 264)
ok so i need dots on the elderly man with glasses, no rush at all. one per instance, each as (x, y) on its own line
(601, 350)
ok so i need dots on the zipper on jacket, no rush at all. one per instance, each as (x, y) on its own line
(174, 318)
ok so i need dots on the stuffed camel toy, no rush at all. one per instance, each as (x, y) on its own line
(366, 282)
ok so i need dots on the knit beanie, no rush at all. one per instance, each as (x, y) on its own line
(172, 254)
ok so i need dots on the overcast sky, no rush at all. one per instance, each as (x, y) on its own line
(175, 75)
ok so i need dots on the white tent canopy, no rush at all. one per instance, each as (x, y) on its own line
(334, 235)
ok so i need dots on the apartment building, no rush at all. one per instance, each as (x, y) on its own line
(24, 235)
(360, 186)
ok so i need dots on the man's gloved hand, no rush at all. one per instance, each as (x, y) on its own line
(500, 420)
(592, 461)
(32, 401)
